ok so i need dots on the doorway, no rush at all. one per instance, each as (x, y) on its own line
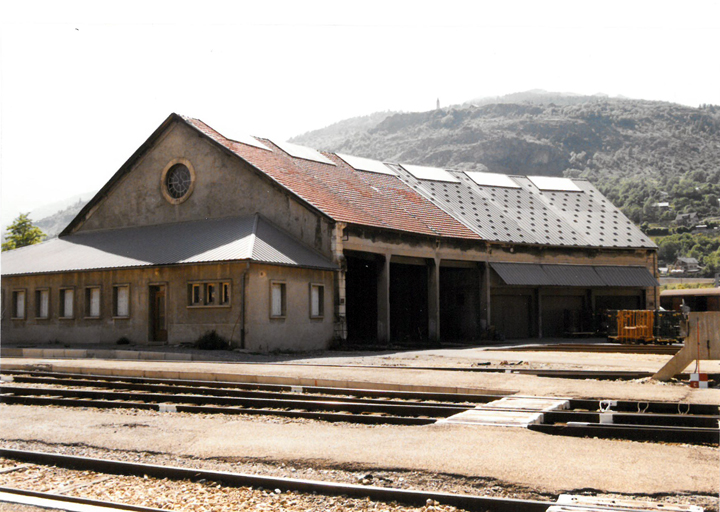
(158, 320)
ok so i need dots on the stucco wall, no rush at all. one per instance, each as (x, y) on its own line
(297, 330)
(224, 186)
(185, 324)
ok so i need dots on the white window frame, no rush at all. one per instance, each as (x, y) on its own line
(320, 313)
(89, 291)
(116, 300)
(39, 292)
(17, 314)
(63, 314)
(282, 287)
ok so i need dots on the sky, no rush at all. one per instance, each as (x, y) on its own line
(83, 84)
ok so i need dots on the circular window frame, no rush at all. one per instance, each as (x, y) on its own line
(163, 184)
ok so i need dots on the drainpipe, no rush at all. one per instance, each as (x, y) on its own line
(241, 317)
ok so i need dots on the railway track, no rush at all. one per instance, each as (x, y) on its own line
(102, 470)
(642, 421)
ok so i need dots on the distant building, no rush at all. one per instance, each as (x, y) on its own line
(663, 205)
(686, 219)
(687, 265)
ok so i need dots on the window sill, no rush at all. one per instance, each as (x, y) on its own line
(66, 318)
(121, 317)
(210, 306)
(92, 318)
(17, 318)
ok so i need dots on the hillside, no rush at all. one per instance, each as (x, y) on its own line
(637, 152)
(53, 224)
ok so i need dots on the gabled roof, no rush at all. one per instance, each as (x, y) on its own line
(230, 239)
(525, 210)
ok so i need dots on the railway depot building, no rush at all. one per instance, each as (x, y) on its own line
(281, 247)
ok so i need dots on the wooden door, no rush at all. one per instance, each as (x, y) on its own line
(158, 321)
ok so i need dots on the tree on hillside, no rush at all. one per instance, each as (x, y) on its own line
(22, 232)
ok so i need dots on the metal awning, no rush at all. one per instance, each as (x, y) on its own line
(588, 276)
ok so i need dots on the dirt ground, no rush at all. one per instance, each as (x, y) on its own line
(510, 456)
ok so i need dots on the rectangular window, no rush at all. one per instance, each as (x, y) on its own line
(121, 301)
(42, 303)
(210, 294)
(224, 294)
(18, 304)
(195, 294)
(67, 300)
(92, 302)
(317, 301)
(278, 300)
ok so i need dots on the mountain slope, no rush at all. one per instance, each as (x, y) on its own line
(637, 152)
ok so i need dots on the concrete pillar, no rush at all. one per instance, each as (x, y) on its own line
(383, 299)
(539, 312)
(488, 304)
(434, 299)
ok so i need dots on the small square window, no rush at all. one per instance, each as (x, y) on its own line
(121, 301)
(67, 301)
(18, 304)
(278, 300)
(42, 304)
(317, 301)
(92, 302)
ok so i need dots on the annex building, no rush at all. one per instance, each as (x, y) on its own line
(281, 247)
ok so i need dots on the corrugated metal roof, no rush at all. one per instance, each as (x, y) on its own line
(531, 274)
(626, 276)
(573, 275)
(527, 274)
(238, 238)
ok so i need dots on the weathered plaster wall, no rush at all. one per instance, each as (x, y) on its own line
(185, 324)
(296, 331)
(225, 186)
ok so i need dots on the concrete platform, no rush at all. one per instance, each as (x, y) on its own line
(514, 411)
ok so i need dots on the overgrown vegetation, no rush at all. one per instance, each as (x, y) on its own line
(706, 249)
(211, 340)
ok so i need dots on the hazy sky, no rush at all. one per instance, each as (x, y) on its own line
(83, 84)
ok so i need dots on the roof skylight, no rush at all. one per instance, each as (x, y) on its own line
(250, 141)
(554, 184)
(303, 152)
(366, 164)
(422, 172)
(491, 179)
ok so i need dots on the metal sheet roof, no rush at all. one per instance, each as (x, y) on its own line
(237, 238)
(573, 275)
(590, 276)
(626, 276)
(527, 274)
